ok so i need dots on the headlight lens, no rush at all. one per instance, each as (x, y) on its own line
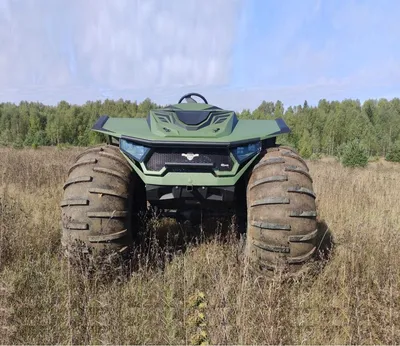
(138, 152)
(243, 153)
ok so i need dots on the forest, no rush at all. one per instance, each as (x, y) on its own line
(316, 130)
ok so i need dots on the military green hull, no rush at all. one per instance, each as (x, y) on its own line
(193, 161)
(191, 144)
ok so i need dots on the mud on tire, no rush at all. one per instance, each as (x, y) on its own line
(97, 202)
(281, 218)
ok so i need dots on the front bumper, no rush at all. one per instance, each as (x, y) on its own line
(192, 178)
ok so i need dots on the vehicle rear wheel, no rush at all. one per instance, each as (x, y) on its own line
(99, 202)
(281, 217)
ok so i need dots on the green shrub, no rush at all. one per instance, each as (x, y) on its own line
(353, 154)
(393, 154)
(18, 144)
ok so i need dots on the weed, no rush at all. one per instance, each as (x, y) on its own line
(353, 297)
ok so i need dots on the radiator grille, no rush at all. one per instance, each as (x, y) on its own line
(190, 160)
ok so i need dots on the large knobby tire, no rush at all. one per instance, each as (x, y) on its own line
(281, 216)
(97, 202)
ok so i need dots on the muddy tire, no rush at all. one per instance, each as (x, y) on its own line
(98, 203)
(281, 217)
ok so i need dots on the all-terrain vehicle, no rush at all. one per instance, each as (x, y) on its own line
(188, 157)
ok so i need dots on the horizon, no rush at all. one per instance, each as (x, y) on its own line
(255, 50)
(312, 105)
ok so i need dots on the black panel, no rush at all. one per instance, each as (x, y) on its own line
(235, 121)
(189, 160)
(179, 108)
(182, 168)
(282, 125)
(193, 120)
(177, 197)
(268, 143)
(192, 117)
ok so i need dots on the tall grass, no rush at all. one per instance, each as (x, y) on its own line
(353, 299)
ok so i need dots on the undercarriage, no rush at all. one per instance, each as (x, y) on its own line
(194, 203)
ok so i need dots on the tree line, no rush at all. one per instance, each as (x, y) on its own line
(321, 129)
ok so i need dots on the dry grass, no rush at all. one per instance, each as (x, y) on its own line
(353, 299)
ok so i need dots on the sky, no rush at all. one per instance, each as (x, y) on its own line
(237, 53)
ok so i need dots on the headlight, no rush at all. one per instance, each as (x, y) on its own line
(244, 152)
(138, 152)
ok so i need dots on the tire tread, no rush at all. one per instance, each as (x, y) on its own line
(282, 229)
(97, 193)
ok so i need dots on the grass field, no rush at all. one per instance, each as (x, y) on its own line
(353, 299)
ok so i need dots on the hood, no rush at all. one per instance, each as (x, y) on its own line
(192, 120)
(190, 123)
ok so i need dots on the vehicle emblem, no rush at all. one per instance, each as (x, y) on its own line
(190, 156)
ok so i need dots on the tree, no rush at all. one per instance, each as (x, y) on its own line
(305, 145)
(394, 153)
(264, 110)
(354, 154)
(279, 109)
(245, 114)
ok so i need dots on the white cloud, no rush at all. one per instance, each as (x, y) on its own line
(27, 55)
(86, 50)
(118, 44)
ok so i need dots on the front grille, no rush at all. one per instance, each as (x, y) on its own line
(189, 160)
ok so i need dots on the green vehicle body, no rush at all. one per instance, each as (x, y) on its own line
(193, 162)
(188, 129)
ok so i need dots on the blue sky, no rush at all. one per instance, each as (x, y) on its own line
(236, 52)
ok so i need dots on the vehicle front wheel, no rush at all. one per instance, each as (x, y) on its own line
(98, 206)
(281, 212)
